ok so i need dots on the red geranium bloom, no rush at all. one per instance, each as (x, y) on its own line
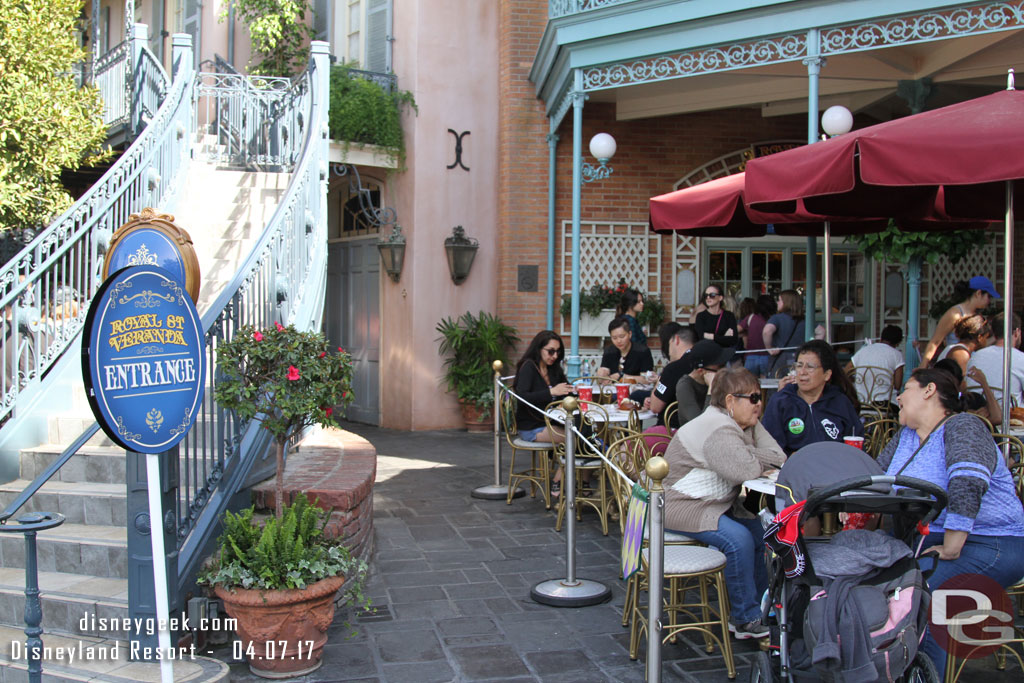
(322, 354)
(279, 326)
(293, 373)
(257, 335)
(328, 411)
(341, 350)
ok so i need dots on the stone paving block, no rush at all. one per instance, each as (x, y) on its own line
(350, 659)
(430, 672)
(399, 595)
(425, 578)
(488, 661)
(464, 626)
(409, 646)
(475, 590)
(431, 609)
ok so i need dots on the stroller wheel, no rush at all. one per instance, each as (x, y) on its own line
(922, 670)
(761, 670)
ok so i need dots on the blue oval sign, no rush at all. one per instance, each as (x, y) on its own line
(143, 360)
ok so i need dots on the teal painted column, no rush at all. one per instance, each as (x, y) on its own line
(910, 356)
(814, 62)
(552, 159)
(578, 97)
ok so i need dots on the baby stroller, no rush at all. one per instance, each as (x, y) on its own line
(853, 607)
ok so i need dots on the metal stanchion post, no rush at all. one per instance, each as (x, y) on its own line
(657, 469)
(496, 491)
(570, 591)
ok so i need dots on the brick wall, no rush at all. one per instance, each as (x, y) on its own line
(652, 155)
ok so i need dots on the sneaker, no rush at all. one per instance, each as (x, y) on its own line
(556, 489)
(751, 629)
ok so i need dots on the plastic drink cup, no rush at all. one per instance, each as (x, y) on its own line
(621, 392)
(855, 441)
(585, 393)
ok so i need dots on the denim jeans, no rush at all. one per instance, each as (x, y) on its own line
(746, 576)
(759, 365)
(1000, 558)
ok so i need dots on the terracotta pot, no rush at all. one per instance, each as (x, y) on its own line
(282, 631)
(474, 417)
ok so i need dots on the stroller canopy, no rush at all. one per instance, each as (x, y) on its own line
(818, 465)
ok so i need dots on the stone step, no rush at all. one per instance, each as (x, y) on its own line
(96, 464)
(109, 662)
(64, 428)
(92, 503)
(93, 550)
(72, 603)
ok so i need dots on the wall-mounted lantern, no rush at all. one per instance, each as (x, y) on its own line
(461, 252)
(392, 252)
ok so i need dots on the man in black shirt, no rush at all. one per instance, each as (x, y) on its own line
(624, 360)
(676, 340)
(704, 356)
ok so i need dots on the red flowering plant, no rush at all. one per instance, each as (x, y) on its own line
(286, 379)
(595, 299)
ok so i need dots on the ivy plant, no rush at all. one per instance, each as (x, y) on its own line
(363, 112)
(284, 378)
(47, 122)
(279, 33)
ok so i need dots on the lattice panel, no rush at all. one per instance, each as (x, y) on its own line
(610, 251)
(942, 275)
(685, 256)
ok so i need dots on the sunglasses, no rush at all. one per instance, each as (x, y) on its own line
(553, 352)
(754, 398)
(711, 295)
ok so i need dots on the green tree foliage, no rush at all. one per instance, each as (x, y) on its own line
(47, 123)
(279, 32)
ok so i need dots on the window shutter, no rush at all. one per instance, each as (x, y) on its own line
(378, 28)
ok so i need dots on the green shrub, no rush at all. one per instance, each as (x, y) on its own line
(363, 112)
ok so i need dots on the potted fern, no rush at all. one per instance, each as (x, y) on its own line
(278, 580)
(471, 343)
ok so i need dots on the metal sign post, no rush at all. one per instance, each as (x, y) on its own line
(156, 536)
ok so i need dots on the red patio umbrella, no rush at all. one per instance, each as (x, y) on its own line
(970, 151)
(717, 209)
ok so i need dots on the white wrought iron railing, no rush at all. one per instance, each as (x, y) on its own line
(45, 288)
(111, 74)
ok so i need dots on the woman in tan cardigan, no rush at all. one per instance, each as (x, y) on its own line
(709, 457)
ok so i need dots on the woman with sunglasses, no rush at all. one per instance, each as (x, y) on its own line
(816, 402)
(540, 380)
(708, 459)
(712, 320)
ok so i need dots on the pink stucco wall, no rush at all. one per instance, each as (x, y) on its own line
(445, 54)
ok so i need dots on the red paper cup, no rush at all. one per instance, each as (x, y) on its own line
(855, 441)
(621, 392)
(585, 393)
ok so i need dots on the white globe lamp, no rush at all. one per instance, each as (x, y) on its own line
(836, 120)
(602, 147)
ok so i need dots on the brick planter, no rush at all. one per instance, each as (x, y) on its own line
(337, 467)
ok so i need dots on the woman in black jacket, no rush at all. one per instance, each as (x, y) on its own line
(712, 321)
(540, 380)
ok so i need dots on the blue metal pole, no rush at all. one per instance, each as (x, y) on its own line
(910, 356)
(552, 150)
(814, 62)
(577, 189)
(33, 611)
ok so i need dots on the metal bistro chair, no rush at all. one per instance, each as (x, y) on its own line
(671, 414)
(875, 387)
(1016, 449)
(687, 568)
(879, 432)
(538, 470)
(594, 494)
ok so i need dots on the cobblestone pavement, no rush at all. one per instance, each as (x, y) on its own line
(451, 578)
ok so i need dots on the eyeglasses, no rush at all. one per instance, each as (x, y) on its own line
(711, 295)
(809, 367)
(550, 351)
(754, 397)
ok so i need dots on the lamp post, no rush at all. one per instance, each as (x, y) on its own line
(602, 147)
(837, 120)
(392, 252)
